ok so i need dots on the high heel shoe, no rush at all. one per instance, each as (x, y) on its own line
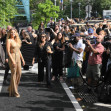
(17, 95)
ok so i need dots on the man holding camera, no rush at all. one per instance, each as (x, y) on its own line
(77, 55)
(95, 60)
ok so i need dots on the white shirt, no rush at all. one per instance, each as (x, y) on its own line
(77, 56)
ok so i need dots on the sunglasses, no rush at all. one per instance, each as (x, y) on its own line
(43, 36)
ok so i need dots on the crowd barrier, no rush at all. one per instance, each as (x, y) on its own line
(27, 51)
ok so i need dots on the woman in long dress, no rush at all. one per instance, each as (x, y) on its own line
(13, 45)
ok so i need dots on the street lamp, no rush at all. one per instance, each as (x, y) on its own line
(88, 9)
(55, 5)
(71, 7)
(79, 10)
(96, 14)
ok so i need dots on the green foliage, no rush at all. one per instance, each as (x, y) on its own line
(7, 11)
(75, 9)
(97, 5)
(44, 12)
(34, 3)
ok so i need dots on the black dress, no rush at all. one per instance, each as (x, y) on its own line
(57, 59)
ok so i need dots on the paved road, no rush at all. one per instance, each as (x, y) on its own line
(35, 97)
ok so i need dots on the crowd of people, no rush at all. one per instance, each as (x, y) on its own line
(60, 44)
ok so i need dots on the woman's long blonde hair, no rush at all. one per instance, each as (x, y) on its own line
(17, 38)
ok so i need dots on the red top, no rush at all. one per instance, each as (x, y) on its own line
(96, 58)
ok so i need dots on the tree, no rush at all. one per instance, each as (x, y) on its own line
(97, 6)
(7, 11)
(75, 9)
(44, 12)
(34, 3)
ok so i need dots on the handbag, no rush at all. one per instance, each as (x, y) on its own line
(34, 68)
(73, 70)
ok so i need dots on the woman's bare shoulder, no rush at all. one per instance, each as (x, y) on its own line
(9, 40)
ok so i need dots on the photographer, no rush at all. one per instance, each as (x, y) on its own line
(95, 60)
(77, 55)
(106, 55)
(92, 39)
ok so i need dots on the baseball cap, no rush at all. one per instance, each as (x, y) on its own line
(77, 35)
(90, 30)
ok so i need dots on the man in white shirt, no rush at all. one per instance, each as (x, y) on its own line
(78, 49)
(77, 55)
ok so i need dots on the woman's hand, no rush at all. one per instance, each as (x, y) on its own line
(6, 60)
(57, 48)
(24, 40)
(49, 50)
(23, 62)
(33, 61)
(13, 64)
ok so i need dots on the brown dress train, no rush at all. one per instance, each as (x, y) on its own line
(15, 71)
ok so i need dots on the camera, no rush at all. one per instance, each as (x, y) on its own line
(92, 40)
(107, 42)
(52, 25)
(107, 45)
(71, 40)
(47, 30)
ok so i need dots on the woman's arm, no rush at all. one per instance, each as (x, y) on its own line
(21, 57)
(8, 52)
(55, 34)
(63, 48)
(26, 41)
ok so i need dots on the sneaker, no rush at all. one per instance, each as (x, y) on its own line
(61, 78)
(71, 87)
(53, 78)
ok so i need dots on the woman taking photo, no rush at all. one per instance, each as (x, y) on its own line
(13, 45)
(43, 53)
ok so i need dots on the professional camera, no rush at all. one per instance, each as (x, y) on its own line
(92, 40)
(52, 25)
(107, 44)
(71, 40)
(107, 38)
(47, 30)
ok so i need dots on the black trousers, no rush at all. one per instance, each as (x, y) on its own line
(41, 66)
(57, 67)
(7, 68)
